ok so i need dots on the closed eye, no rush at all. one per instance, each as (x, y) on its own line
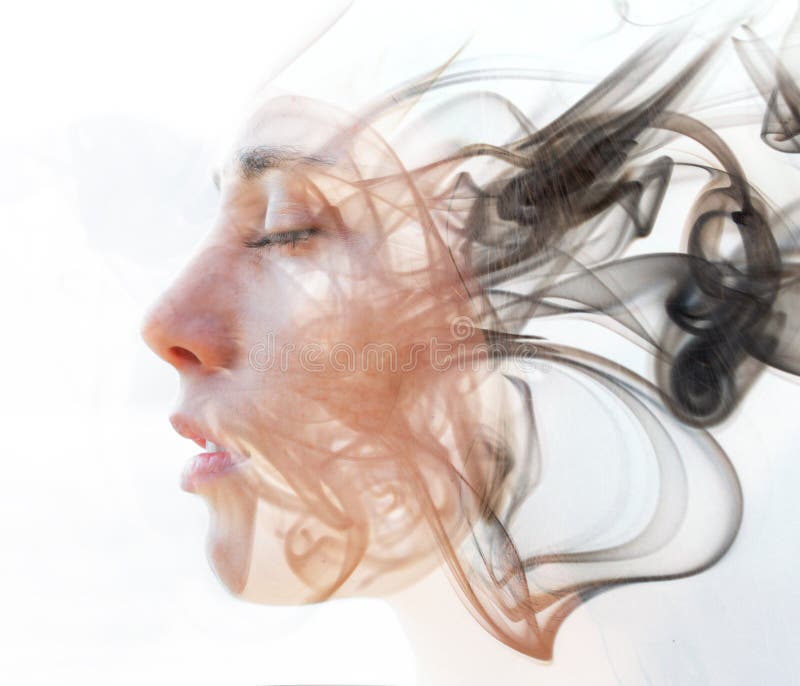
(290, 238)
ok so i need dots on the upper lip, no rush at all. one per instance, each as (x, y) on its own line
(189, 428)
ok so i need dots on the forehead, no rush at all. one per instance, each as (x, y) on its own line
(291, 131)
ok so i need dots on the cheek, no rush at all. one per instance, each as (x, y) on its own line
(332, 335)
(321, 359)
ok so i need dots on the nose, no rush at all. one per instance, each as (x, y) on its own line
(192, 326)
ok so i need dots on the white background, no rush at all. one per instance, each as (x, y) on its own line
(110, 118)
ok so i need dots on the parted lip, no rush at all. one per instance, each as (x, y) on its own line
(189, 428)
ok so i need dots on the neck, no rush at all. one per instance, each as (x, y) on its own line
(449, 644)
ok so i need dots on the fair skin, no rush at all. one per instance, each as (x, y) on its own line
(318, 493)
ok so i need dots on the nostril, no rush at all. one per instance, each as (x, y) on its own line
(182, 355)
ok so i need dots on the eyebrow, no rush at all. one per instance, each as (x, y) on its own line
(253, 162)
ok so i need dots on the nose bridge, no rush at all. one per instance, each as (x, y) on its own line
(193, 324)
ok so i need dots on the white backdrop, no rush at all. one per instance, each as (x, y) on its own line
(110, 118)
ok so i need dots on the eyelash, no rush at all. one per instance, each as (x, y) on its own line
(290, 238)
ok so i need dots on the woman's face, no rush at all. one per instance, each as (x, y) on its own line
(303, 332)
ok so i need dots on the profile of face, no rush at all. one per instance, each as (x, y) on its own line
(315, 333)
(336, 337)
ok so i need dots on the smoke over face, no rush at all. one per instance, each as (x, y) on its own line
(370, 333)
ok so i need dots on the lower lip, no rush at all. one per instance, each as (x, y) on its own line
(208, 467)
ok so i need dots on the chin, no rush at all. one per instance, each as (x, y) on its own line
(248, 550)
(246, 555)
(229, 542)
